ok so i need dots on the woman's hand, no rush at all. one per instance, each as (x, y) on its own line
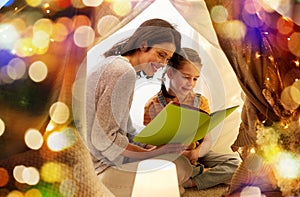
(150, 147)
(137, 152)
(170, 148)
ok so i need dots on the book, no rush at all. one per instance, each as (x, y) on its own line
(179, 123)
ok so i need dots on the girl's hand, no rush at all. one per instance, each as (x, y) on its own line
(192, 155)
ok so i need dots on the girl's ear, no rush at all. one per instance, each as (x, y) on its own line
(170, 73)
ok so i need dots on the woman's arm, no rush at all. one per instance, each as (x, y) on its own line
(137, 152)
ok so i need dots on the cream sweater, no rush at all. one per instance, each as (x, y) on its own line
(109, 93)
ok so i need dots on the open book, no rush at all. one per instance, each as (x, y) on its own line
(179, 123)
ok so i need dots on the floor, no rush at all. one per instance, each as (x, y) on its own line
(217, 191)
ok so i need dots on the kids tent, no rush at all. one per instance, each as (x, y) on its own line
(217, 82)
(47, 48)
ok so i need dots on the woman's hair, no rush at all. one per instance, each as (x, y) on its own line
(177, 61)
(151, 32)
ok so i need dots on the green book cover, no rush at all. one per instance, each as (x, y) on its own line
(179, 123)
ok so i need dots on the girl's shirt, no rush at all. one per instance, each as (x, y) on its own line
(153, 107)
(109, 93)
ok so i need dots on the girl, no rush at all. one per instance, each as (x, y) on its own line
(184, 71)
(108, 99)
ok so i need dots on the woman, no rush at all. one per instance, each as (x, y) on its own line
(210, 168)
(108, 99)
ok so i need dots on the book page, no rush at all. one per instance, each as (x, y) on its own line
(180, 124)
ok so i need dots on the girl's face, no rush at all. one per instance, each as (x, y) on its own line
(183, 81)
(155, 58)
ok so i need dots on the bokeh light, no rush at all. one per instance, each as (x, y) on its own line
(18, 173)
(287, 99)
(287, 165)
(295, 92)
(54, 172)
(59, 112)
(67, 22)
(106, 23)
(80, 20)
(77, 4)
(92, 3)
(121, 7)
(19, 24)
(41, 39)
(68, 188)
(34, 139)
(61, 140)
(33, 193)
(284, 25)
(31, 176)
(60, 32)
(16, 68)
(64, 3)
(38, 71)
(33, 3)
(43, 24)
(4, 177)
(234, 29)
(84, 36)
(270, 5)
(265, 5)
(8, 36)
(24, 47)
(4, 76)
(251, 7)
(15, 193)
(2, 127)
(219, 14)
(294, 44)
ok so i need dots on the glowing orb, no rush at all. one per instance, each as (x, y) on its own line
(106, 23)
(53, 172)
(2, 127)
(38, 71)
(61, 140)
(4, 177)
(31, 176)
(34, 139)
(59, 112)
(122, 7)
(92, 3)
(84, 36)
(33, 193)
(219, 14)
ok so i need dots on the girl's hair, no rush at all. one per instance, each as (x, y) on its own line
(177, 61)
(151, 32)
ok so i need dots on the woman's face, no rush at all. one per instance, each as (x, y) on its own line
(155, 58)
(183, 81)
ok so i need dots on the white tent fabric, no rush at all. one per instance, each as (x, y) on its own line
(217, 82)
